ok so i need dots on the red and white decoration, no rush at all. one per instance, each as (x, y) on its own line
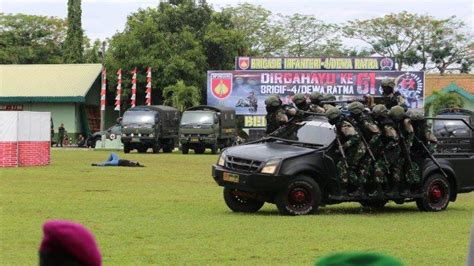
(25, 138)
(134, 88)
(119, 90)
(103, 89)
(148, 86)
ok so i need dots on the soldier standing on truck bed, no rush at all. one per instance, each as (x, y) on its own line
(374, 165)
(276, 116)
(315, 106)
(354, 151)
(390, 96)
(407, 136)
(422, 134)
(392, 151)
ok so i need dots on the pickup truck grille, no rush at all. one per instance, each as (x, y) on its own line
(241, 164)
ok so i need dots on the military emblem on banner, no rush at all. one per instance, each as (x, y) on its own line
(221, 85)
(386, 64)
(244, 63)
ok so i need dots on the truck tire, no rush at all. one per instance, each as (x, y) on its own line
(436, 192)
(156, 148)
(185, 149)
(301, 196)
(239, 203)
(199, 150)
(214, 149)
(126, 148)
(373, 204)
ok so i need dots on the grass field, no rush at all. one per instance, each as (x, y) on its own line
(172, 212)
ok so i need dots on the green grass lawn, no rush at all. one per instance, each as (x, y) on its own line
(172, 212)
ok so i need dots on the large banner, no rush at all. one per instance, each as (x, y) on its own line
(315, 63)
(246, 91)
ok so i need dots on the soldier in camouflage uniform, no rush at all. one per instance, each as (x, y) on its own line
(390, 96)
(315, 106)
(373, 167)
(407, 135)
(354, 151)
(423, 133)
(392, 149)
(276, 116)
(328, 98)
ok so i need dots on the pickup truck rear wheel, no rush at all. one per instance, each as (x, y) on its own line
(185, 149)
(239, 203)
(436, 191)
(301, 196)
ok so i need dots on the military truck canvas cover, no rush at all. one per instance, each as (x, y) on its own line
(226, 117)
(169, 116)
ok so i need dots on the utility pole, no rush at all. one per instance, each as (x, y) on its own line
(102, 110)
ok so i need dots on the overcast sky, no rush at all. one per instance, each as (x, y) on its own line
(102, 18)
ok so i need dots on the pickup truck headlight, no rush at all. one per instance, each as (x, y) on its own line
(221, 161)
(271, 166)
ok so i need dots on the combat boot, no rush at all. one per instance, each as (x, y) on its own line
(378, 192)
(338, 193)
(359, 193)
(394, 191)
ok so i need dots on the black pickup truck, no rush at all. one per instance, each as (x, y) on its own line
(297, 170)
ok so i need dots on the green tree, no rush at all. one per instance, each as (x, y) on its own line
(263, 32)
(181, 96)
(179, 40)
(91, 51)
(450, 47)
(28, 39)
(308, 36)
(444, 101)
(73, 50)
(391, 35)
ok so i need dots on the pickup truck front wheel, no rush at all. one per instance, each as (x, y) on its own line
(301, 196)
(238, 202)
(436, 191)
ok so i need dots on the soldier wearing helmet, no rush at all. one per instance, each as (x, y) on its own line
(392, 150)
(354, 150)
(328, 98)
(315, 106)
(374, 166)
(390, 96)
(423, 133)
(407, 134)
(276, 116)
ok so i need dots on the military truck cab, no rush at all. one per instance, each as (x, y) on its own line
(204, 127)
(154, 127)
(296, 170)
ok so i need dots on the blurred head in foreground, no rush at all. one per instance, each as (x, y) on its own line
(68, 243)
(358, 259)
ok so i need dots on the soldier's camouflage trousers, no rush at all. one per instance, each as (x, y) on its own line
(374, 172)
(395, 164)
(412, 173)
(351, 174)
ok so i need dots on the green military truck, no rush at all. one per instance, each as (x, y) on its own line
(204, 127)
(145, 127)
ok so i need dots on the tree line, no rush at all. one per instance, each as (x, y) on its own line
(182, 39)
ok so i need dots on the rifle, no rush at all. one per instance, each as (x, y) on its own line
(363, 139)
(405, 150)
(281, 128)
(341, 150)
(431, 157)
(364, 100)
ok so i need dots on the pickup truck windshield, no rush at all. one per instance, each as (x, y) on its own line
(138, 117)
(193, 117)
(454, 128)
(313, 132)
